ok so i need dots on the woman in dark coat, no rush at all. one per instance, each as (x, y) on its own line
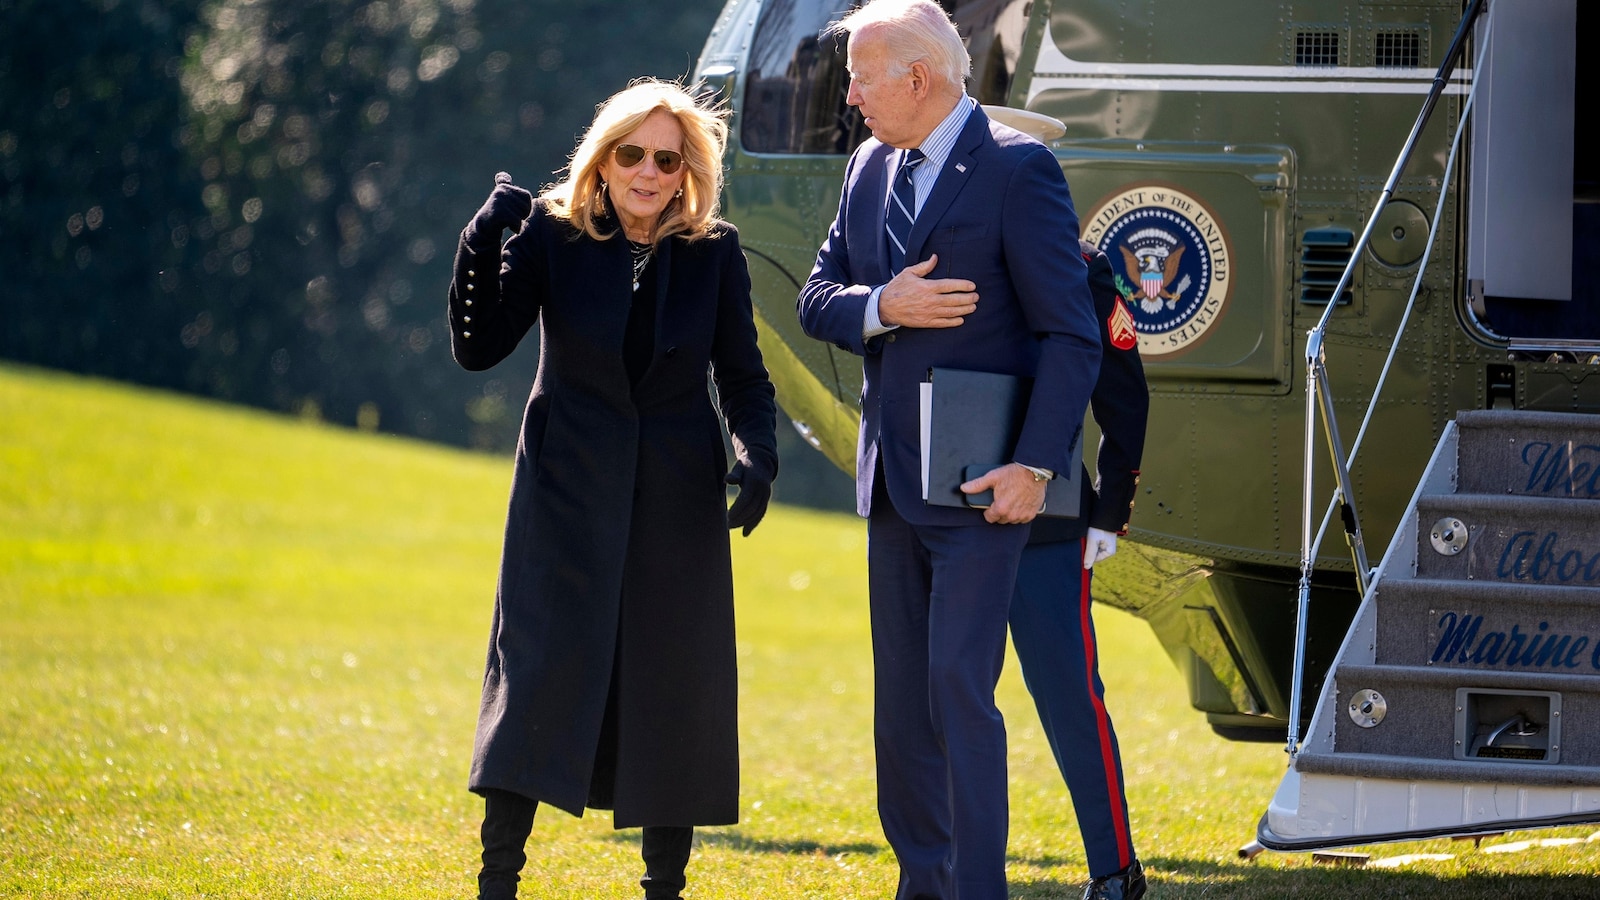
(610, 680)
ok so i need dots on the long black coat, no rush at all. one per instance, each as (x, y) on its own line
(616, 579)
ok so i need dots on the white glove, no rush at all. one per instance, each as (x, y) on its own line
(1097, 546)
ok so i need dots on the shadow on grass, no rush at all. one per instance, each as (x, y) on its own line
(1180, 877)
(733, 840)
(1046, 861)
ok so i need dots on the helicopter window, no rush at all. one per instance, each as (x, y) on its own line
(794, 92)
(1397, 49)
(1316, 48)
(794, 98)
(994, 30)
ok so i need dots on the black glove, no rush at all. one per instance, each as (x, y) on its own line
(755, 491)
(508, 206)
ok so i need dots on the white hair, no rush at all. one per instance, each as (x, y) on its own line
(913, 31)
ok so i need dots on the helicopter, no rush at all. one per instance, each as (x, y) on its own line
(1292, 282)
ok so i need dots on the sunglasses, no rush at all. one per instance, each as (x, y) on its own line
(630, 155)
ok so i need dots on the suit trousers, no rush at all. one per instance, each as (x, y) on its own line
(1053, 634)
(939, 600)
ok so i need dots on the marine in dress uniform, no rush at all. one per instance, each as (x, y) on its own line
(1051, 627)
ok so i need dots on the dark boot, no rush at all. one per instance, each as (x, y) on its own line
(665, 849)
(507, 819)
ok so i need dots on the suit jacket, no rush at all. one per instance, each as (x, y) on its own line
(616, 566)
(997, 216)
(1120, 404)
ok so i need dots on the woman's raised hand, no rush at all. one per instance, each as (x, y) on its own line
(508, 206)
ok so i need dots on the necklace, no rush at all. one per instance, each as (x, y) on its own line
(641, 258)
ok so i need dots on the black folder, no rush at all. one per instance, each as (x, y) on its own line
(975, 419)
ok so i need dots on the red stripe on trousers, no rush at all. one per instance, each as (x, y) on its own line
(1119, 813)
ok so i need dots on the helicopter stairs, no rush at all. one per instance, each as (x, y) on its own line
(1466, 696)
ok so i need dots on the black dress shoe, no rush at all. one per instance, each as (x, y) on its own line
(1125, 885)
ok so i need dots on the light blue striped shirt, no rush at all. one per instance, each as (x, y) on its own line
(936, 147)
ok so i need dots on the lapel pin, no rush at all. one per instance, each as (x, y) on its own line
(961, 167)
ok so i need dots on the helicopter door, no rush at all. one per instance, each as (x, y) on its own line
(1534, 203)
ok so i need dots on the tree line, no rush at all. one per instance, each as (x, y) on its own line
(258, 200)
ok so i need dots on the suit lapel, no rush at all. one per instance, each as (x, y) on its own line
(952, 178)
(876, 177)
(885, 184)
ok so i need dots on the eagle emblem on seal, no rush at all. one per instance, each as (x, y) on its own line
(1152, 266)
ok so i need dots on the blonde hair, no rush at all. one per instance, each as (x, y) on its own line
(913, 30)
(581, 198)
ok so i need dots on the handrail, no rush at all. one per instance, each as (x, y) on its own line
(1411, 301)
(1319, 397)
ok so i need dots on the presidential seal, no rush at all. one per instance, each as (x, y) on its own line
(1172, 261)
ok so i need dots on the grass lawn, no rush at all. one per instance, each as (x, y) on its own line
(240, 657)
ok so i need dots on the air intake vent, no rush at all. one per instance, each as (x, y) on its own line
(1324, 253)
(1397, 49)
(1316, 48)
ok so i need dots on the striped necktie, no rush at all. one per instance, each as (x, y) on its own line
(902, 209)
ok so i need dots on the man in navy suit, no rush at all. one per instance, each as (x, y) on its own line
(947, 251)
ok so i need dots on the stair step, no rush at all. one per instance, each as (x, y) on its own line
(1482, 703)
(1487, 625)
(1528, 453)
(1515, 539)
(1474, 771)
(1421, 718)
(1452, 677)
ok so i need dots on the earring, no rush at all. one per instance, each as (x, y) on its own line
(679, 193)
